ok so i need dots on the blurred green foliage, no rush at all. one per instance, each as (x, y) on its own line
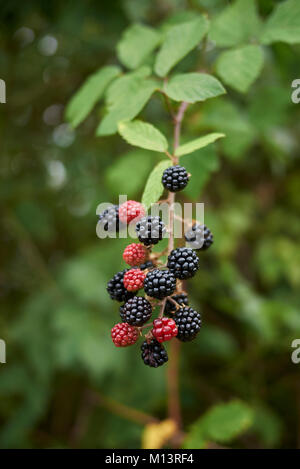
(55, 313)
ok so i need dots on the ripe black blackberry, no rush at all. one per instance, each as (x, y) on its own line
(153, 353)
(170, 307)
(188, 322)
(150, 230)
(183, 262)
(109, 219)
(116, 289)
(136, 311)
(159, 283)
(199, 237)
(175, 178)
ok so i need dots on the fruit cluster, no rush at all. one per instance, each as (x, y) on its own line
(161, 283)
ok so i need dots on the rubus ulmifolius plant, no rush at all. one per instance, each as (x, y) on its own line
(154, 305)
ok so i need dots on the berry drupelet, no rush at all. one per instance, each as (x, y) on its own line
(159, 283)
(175, 178)
(170, 307)
(136, 311)
(153, 353)
(135, 254)
(150, 230)
(188, 322)
(134, 279)
(183, 262)
(124, 334)
(109, 219)
(131, 210)
(116, 288)
(199, 237)
(164, 329)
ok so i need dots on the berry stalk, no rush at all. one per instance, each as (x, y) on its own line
(174, 352)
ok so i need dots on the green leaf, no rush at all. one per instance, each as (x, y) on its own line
(137, 42)
(125, 99)
(178, 42)
(240, 67)
(154, 187)
(123, 85)
(89, 93)
(236, 24)
(267, 425)
(283, 24)
(221, 424)
(143, 135)
(200, 142)
(223, 116)
(193, 87)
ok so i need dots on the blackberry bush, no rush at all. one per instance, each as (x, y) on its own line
(156, 274)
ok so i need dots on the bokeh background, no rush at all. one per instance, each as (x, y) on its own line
(55, 313)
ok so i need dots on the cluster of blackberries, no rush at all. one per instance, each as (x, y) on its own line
(161, 284)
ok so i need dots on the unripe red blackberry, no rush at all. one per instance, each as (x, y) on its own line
(150, 230)
(109, 219)
(170, 307)
(124, 334)
(116, 289)
(159, 283)
(175, 178)
(136, 311)
(131, 210)
(164, 329)
(183, 262)
(188, 322)
(199, 237)
(135, 254)
(153, 353)
(134, 279)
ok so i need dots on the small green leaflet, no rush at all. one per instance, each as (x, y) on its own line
(200, 142)
(240, 67)
(89, 93)
(126, 97)
(221, 424)
(143, 135)
(236, 24)
(283, 24)
(178, 42)
(137, 42)
(193, 87)
(154, 187)
(120, 87)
